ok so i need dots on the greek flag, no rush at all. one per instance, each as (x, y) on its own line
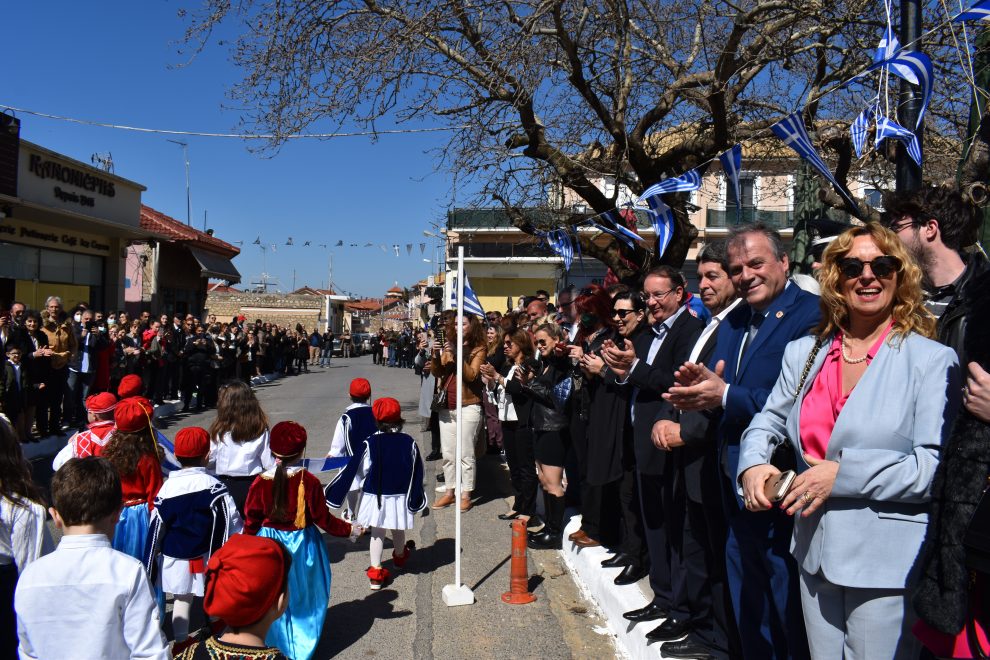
(686, 182)
(560, 242)
(916, 68)
(663, 223)
(979, 11)
(732, 164)
(888, 47)
(859, 129)
(792, 132)
(471, 303)
(608, 223)
(888, 128)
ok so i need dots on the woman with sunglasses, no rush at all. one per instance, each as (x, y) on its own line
(865, 402)
(548, 384)
(611, 461)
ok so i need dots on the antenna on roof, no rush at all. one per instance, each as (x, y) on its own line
(103, 161)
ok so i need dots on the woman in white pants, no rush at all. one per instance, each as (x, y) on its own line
(444, 368)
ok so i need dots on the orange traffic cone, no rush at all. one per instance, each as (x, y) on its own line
(518, 593)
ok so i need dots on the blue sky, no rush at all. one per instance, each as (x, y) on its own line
(114, 61)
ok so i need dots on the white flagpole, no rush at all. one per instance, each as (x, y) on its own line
(457, 593)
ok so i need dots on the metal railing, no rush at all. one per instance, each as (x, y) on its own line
(778, 218)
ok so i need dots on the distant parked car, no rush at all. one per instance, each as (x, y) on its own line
(362, 343)
(338, 348)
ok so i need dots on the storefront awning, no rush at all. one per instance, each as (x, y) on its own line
(215, 266)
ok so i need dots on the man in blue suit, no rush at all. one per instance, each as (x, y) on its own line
(762, 574)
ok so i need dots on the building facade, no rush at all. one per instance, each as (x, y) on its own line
(65, 226)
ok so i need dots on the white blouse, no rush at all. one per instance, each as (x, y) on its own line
(23, 535)
(240, 459)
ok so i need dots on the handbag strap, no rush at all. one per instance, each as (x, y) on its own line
(819, 342)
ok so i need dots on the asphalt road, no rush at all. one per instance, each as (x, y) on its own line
(408, 618)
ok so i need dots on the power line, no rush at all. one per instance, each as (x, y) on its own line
(242, 136)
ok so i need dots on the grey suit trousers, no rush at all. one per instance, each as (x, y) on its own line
(853, 623)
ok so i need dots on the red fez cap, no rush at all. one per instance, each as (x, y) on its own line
(130, 385)
(101, 403)
(243, 579)
(131, 417)
(192, 442)
(387, 410)
(287, 439)
(360, 388)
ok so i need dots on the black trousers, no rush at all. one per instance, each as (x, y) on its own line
(8, 619)
(633, 533)
(520, 455)
(54, 393)
(193, 379)
(653, 492)
(173, 373)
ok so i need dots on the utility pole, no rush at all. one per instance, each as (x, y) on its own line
(185, 156)
(909, 172)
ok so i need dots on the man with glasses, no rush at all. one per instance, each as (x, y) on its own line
(648, 368)
(935, 224)
(762, 574)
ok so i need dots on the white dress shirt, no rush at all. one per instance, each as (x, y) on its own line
(23, 535)
(710, 330)
(87, 601)
(240, 459)
(338, 446)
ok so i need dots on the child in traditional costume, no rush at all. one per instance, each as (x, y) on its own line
(286, 503)
(92, 440)
(132, 450)
(246, 589)
(194, 516)
(130, 387)
(387, 475)
(356, 423)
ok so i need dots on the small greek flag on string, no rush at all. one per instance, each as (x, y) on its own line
(888, 47)
(560, 242)
(686, 182)
(732, 164)
(471, 303)
(916, 68)
(859, 129)
(608, 223)
(663, 223)
(888, 128)
(792, 132)
(979, 11)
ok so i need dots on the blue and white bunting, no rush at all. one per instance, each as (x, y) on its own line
(979, 11)
(663, 223)
(560, 242)
(888, 128)
(686, 182)
(610, 224)
(889, 47)
(732, 164)
(859, 129)
(471, 303)
(916, 68)
(792, 132)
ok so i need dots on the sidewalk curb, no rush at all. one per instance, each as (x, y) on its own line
(585, 566)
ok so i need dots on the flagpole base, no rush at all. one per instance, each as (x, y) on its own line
(454, 595)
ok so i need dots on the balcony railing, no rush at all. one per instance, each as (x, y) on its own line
(499, 219)
(777, 218)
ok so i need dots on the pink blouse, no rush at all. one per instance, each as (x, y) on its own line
(824, 401)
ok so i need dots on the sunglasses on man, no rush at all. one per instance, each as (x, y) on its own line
(882, 267)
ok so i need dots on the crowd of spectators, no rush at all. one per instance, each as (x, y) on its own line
(54, 359)
(794, 471)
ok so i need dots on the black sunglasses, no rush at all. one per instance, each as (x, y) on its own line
(883, 266)
(622, 313)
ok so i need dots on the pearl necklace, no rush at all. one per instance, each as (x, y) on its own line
(849, 360)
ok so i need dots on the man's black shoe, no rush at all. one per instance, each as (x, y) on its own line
(434, 456)
(616, 560)
(687, 649)
(669, 630)
(440, 478)
(631, 574)
(651, 612)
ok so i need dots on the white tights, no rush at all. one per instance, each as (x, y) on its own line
(378, 543)
(181, 608)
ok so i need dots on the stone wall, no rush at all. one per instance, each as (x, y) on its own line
(280, 308)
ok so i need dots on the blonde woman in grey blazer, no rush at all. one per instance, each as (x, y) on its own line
(865, 403)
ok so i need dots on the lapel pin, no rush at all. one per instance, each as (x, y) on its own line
(780, 315)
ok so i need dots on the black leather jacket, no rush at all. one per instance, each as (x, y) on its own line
(951, 329)
(547, 413)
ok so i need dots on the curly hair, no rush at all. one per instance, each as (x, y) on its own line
(124, 450)
(909, 312)
(958, 222)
